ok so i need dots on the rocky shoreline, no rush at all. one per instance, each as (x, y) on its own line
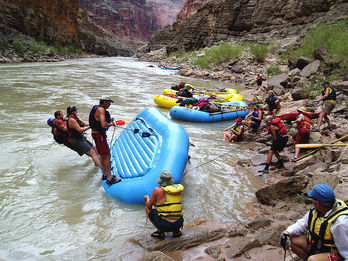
(283, 198)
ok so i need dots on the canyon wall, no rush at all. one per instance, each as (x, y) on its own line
(54, 21)
(251, 20)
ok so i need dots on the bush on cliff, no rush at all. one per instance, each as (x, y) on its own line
(218, 55)
(259, 51)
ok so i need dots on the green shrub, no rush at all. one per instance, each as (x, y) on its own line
(19, 47)
(3, 44)
(218, 55)
(274, 70)
(259, 51)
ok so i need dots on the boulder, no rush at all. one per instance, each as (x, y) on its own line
(292, 62)
(297, 94)
(331, 179)
(213, 251)
(280, 79)
(282, 189)
(303, 61)
(310, 69)
(343, 87)
(258, 223)
(322, 55)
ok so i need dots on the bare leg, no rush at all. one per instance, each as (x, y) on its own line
(105, 162)
(269, 156)
(299, 245)
(297, 152)
(327, 120)
(319, 257)
(320, 120)
(94, 157)
(276, 153)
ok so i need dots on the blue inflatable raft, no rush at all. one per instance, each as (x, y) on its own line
(232, 110)
(148, 145)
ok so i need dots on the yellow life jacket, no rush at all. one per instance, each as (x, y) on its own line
(172, 207)
(319, 236)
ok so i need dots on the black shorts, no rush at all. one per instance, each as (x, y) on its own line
(164, 225)
(279, 144)
(80, 145)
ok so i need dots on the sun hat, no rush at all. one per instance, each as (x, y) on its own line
(106, 98)
(302, 108)
(322, 193)
(165, 179)
(325, 82)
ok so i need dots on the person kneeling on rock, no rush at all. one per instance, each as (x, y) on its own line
(164, 208)
(322, 233)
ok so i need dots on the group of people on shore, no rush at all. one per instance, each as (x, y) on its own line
(70, 132)
(277, 129)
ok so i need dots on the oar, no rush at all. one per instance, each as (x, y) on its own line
(313, 151)
(309, 146)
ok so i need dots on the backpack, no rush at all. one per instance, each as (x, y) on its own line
(58, 135)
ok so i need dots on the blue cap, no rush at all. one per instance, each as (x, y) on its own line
(50, 121)
(326, 82)
(322, 193)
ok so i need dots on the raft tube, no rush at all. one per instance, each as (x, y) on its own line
(148, 145)
(187, 114)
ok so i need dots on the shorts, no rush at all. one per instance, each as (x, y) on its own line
(164, 225)
(80, 145)
(335, 257)
(101, 143)
(302, 136)
(328, 107)
(255, 125)
(279, 144)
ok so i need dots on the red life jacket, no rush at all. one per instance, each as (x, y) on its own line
(306, 123)
(281, 129)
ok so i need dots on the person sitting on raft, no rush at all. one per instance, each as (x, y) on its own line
(273, 103)
(234, 132)
(304, 127)
(253, 119)
(164, 208)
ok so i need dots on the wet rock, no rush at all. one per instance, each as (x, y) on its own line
(271, 236)
(156, 256)
(213, 251)
(305, 162)
(310, 69)
(247, 246)
(198, 232)
(258, 223)
(285, 188)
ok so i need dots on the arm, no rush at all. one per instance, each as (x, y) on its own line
(74, 125)
(300, 227)
(100, 116)
(229, 128)
(327, 92)
(299, 119)
(259, 118)
(151, 201)
(238, 132)
(273, 132)
(339, 230)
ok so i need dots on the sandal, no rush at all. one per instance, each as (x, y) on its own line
(177, 234)
(158, 234)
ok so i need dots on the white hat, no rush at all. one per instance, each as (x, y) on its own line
(106, 98)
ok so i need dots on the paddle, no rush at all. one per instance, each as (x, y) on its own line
(310, 153)
(309, 146)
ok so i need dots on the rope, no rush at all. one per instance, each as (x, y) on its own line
(215, 158)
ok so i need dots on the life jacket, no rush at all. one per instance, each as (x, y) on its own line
(72, 133)
(237, 128)
(306, 123)
(319, 236)
(172, 207)
(332, 95)
(256, 114)
(96, 125)
(184, 93)
(271, 102)
(59, 135)
(281, 132)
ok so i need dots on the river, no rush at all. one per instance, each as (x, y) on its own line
(53, 206)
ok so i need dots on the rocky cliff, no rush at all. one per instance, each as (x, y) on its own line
(253, 20)
(166, 10)
(189, 7)
(130, 18)
(54, 21)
